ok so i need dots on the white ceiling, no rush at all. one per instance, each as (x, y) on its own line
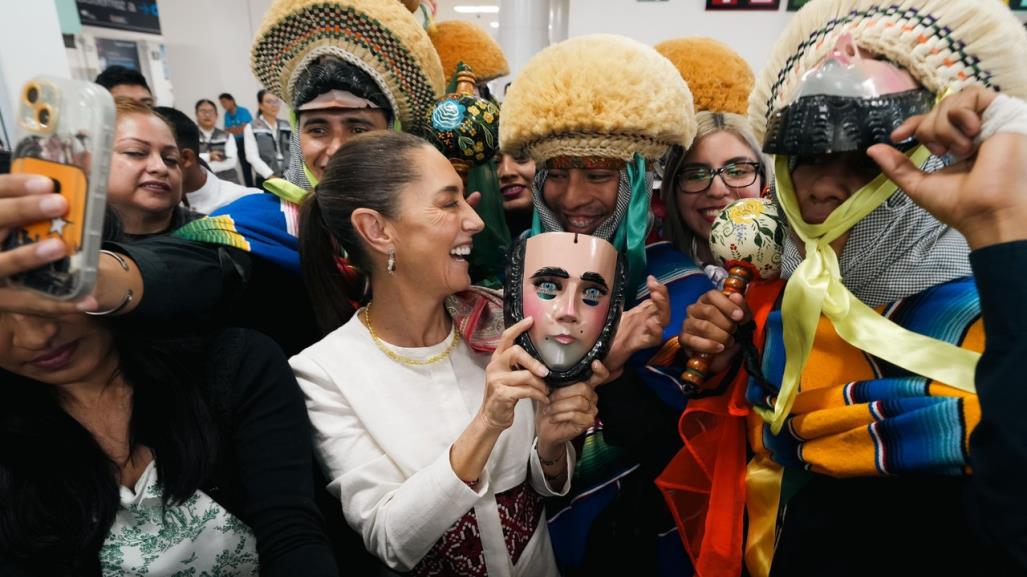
(445, 12)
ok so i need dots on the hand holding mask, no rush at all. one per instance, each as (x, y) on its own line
(572, 285)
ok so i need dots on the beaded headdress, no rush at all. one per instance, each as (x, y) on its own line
(944, 44)
(379, 36)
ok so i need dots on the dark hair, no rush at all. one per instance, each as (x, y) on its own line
(368, 171)
(118, 75)
(187, 134)
(59, 490)
(260, 96)
(124, 106)
(331, 74)
(204, 101)
(226, 96)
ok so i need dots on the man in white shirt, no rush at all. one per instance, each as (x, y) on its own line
(217, 147)
(204, 191)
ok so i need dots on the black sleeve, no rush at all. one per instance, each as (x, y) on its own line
(998, 446)
(11, 569)
(184, 281)
(271, 443)
(636, 419)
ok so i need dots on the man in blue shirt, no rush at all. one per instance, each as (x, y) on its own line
(236, 119)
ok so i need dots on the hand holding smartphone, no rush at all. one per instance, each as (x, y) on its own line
(65, 130)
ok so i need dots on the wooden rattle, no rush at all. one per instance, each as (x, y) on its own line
(747, 237)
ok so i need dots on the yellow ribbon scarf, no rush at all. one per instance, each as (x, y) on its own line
(816, 288)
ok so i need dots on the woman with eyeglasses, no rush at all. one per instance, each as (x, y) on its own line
(723, 164)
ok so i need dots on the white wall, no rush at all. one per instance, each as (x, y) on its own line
(750, 33)
(30, 44)
(208, 49)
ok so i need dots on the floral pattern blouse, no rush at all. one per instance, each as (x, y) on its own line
(197, 538)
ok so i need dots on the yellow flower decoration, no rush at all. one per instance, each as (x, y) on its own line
(489, 117)
(474, 110)
(745, 212)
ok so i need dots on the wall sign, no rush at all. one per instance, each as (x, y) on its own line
(117, 53)
(135, 15)
(743, 4)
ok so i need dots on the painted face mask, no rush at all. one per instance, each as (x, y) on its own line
(847, 103)
(573, 286)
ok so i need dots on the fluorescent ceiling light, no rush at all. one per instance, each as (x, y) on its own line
(494, 24)
(484, 9)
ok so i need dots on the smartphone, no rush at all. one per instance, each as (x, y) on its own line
(65, 129)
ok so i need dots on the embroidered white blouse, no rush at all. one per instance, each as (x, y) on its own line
(383, 431)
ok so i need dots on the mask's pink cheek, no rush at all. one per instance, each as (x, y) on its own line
(592, 320)
(534, 308)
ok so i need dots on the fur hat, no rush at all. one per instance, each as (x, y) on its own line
(460, 41)
(379, 36)
(597, 96)
(720, 79)
(942, 43)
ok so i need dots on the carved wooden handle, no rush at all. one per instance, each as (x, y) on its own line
(698, 367)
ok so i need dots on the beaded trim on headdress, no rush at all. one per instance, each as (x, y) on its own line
(586, 162)
(379, 36)
(942, 43)
(597, 96)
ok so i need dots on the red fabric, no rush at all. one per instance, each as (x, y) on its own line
(459, 550)
(478, 314)
(704, 484)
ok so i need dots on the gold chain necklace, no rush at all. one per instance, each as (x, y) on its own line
(407, 360)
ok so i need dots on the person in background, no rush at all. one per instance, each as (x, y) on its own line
(515, 177)
(145, 182)
(236, 119)
(724, 163)
(217, 147)
(127, 83)
(204, 191)
(267, 139)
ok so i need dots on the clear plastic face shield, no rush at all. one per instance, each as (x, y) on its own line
(849, 102)
(572, 285)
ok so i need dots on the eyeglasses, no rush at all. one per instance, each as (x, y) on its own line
(696, 179)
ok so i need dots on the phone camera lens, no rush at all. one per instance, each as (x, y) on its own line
(32, 94)
(43, 116)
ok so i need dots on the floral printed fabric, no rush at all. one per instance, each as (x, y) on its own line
(197, 538)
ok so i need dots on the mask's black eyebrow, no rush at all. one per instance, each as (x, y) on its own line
(596, 278)
(551, 271)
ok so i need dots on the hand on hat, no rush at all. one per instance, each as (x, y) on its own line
(984, 195)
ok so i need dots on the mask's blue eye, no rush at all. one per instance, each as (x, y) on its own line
(547, 289)
(592, 295)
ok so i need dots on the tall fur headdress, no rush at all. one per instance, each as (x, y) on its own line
(719, 78)
(601, 96)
